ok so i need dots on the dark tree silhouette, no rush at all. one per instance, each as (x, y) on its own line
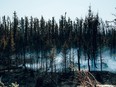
(38, 37)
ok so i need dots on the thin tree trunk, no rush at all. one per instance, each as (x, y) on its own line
(70, 60)
(78, 59)
(24, 60)
(46, 64)
(100, 59)
(88, 61)
(65, 62)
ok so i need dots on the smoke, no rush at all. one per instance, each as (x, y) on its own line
(109, 62)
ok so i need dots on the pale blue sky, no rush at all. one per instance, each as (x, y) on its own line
(56, 8)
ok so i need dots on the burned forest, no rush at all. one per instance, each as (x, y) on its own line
(53, 51)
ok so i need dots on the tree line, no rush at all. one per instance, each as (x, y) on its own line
(19, 36)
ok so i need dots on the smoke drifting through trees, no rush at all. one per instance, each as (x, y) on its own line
(27, 35)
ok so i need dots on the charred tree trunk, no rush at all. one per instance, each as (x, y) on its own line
(100, 60)
(78, 59)
(88, 61)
